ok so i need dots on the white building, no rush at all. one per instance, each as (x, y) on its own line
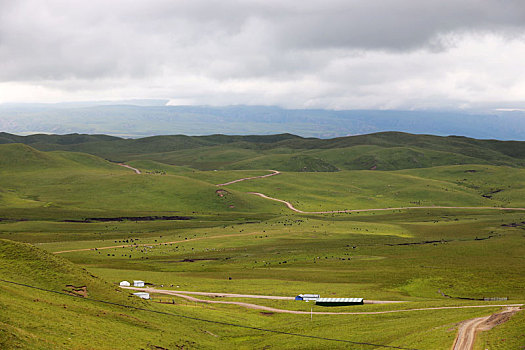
(138, 283)
(142, 295)
(125, 284)
(307, 297)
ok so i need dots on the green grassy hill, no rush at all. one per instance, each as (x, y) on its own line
(285, 162)
(19, 157)
(367, 157)
(380, 151)
(39, 182)
(36, 319)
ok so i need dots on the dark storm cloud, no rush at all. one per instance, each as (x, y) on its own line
(74, 39)
(399, 24)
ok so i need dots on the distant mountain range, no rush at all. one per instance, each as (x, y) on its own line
(140, 118)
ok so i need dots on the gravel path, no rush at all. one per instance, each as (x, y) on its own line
(130, 167)
(274, 172)
(468, 329)
(181, 294)
(254, 296)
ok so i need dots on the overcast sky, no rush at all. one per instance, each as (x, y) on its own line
(388, 54)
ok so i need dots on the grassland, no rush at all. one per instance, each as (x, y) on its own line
(236, 242)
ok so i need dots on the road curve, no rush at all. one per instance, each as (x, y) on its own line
(271, 309)
(469, 328)
(291, 207)
(137, 171)
(274, 172)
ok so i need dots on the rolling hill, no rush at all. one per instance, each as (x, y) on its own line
(69, 184)
(381, 151)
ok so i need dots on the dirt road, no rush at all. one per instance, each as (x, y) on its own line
(468, 329)
(154, 244)
(290, 206)
(253, 296)
(271, 309)
(210, 294)
(130, 167)
(274, 172)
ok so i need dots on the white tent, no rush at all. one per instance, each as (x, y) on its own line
(142, 295)
(125, 284)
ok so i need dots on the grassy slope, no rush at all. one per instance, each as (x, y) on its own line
(447, 186)
(39, 320)
(19, 157)
(285, 162)
(39, 180)
(391, 158)
(205, 158)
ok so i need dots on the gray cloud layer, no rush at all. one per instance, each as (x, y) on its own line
(301, 53)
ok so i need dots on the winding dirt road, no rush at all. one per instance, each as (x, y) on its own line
(469, 328)
(137, 171)
(274, 172)
(290, 206)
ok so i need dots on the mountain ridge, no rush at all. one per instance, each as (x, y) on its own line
(381, 151)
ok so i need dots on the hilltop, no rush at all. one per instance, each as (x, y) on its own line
(287, 152)
(20, 157)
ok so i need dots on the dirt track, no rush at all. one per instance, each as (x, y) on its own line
(271, 309)
(254, 296)
(209, 294)
(468, 329)
(153, 244)
(290, 206)
(275, 172)
(130, 167)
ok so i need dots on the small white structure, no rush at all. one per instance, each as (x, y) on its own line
(142, 295)
(138, 283)
(307, 297)
(125, 284)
